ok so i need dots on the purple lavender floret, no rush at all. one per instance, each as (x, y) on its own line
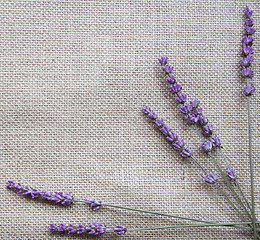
(247, 49)
(165, 130)
(95, 205)
(207, 130)
(248, 13)
(185, 109)
(175, 88)
(53, 228)
(146, 109)
(207, 146)
(58, 197)
(171, 79)
(249, 30)
(195, 103)
(248, 91)
(62, 228)
(249, 22)
(203, 121)
(246, 61)
(192, 118)
(231, 174)
(152, 116)
(210, 179)
(81, 229)
(186, 152)
(11, 184)
(71, 229)
(96, 228)
(217, 141)
(120, 229)
(159, 122)
(248, 40)
(181, 98)
(163, 60)
(247, 72)
(170, 135)
(168, 69)
(178, 145)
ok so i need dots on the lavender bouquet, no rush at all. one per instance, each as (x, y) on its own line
(210, 145)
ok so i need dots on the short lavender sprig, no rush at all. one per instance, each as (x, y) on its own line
(57, 197)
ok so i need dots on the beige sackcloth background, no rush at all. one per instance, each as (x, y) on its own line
(74, 78)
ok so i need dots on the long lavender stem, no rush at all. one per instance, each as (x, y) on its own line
(192, 225)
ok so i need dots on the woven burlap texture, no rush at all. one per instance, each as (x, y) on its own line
(74, 78)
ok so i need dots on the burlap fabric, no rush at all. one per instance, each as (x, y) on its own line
(74, 77)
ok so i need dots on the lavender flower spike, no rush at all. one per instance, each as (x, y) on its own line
(91, 229)
(120, 229)
(170, 135)
(231, 174)
(95, 205)
(210, 179)
(57, 197)
(249, 91)
(247, 72)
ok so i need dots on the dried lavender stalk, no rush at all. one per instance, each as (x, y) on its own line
(248, 73)
(65, 199)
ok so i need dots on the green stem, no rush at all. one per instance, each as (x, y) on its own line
(157, 213)
(229, 185)
(225, 178)
(191, 225)
(232, 204)
(251, 165)
(236, 182)
(197, 162)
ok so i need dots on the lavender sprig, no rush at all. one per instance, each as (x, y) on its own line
(248, 90)
(91, 229)
(57, 197)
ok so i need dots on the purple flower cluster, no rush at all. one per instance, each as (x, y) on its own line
(57, 197)
(177, 143)
(95, 205)
(91, 229)
(248, 51)
(211, 143)
(120, 229)
(210, 179)
(231, 174)
(191, 111)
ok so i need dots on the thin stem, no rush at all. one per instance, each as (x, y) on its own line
(225, 178)
(251, 166)
(196, 161)
(191, 225)
(157, 213)
(229, 185)
(236, 182)
(232, 204)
